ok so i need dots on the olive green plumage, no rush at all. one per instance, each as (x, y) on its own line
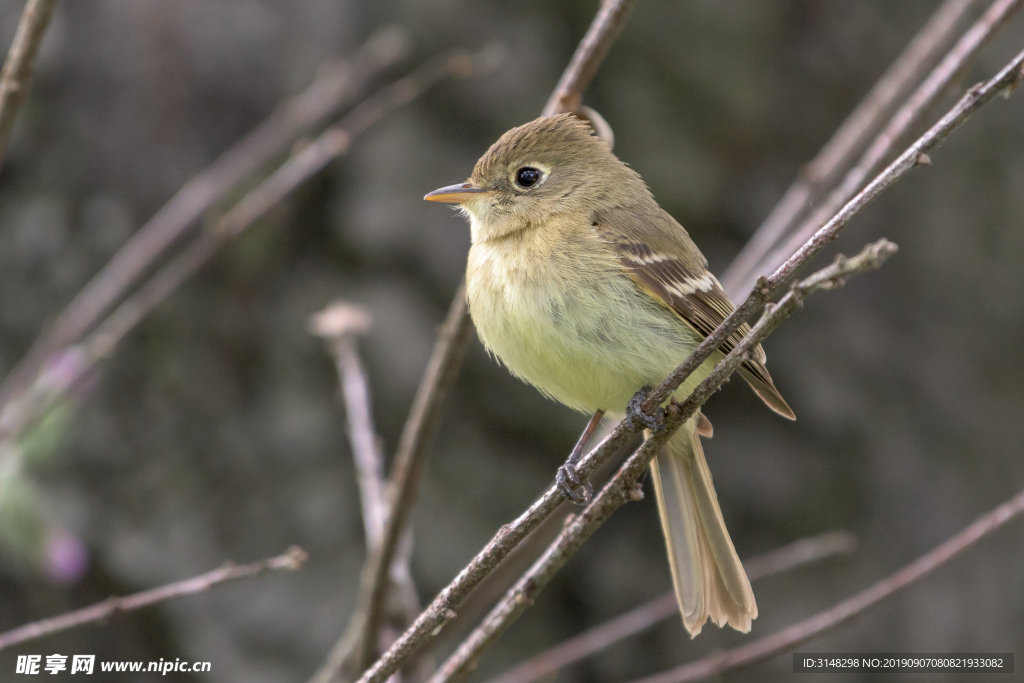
(584, 287)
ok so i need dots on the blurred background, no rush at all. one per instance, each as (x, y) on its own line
(215, 431)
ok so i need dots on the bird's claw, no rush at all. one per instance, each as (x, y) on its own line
(568, 480)
(638, 418)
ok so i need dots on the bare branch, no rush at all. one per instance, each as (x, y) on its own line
(356, 648)
(638, 619)
(340, 324)
(975, 98)
(568, 94)
(908, 115)
(838, 615)
(17, 72)
(291, 560)
(337, 85)
(838, 153)
(617, 492)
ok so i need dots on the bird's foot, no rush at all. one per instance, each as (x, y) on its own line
(638, 418)
(568, 481)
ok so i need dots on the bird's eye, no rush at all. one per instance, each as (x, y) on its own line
(527, 176)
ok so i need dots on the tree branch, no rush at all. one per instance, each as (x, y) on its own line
(834, 617)
(291, 560)
(340, 324)
(17, 71)
(337, 85)
(917, 154)
(604, 29)
(618, 491)
(356, 648)
(638, 619)
(908, 115)
(837, 155)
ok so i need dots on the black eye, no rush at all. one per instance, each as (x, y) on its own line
(527, 176)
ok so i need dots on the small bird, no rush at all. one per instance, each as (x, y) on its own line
(582, 285)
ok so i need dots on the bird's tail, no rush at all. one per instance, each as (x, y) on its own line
(708, 575)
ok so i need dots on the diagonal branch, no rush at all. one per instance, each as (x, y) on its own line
(916, 154)
(17, 72)
(291, 560)
(337, 86)
(837, 155)
(908, 116)
(604, 29)
(441, 610)
(17, 415)
(619, 490)
(840, 614)
(642, 617)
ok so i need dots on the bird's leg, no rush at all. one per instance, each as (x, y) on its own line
(567, 478)
(637, 417)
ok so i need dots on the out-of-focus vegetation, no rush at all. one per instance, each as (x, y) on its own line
(214, 432)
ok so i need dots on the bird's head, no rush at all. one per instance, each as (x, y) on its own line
(550, 166)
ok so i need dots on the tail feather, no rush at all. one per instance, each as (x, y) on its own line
(709, 578)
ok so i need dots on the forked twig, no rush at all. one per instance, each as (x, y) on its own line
(852, 136)
(617, 492)
(291, 560)
(357, 648)
(838, 615)
(17, 71)
(640, 618)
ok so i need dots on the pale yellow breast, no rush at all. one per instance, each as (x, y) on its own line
(558, 312)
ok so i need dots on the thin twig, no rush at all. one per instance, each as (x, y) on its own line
(843, 612)
(291, 560)
(618, 491)
(568, 94)
(340, 324)
(902, 122)
(921, 53)
(17, 71)
(354, 651)
(638, 619)
(441, 610)
(338, 84)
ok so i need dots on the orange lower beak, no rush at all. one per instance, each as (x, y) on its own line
(456, 194)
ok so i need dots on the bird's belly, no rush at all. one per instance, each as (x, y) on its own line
(586, 337)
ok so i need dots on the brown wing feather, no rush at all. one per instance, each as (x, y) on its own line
(684, 285)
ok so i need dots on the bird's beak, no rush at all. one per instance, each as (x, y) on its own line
(456, 194)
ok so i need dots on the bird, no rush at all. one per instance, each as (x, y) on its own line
(583, 286)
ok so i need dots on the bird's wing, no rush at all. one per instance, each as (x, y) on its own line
(655, 252)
